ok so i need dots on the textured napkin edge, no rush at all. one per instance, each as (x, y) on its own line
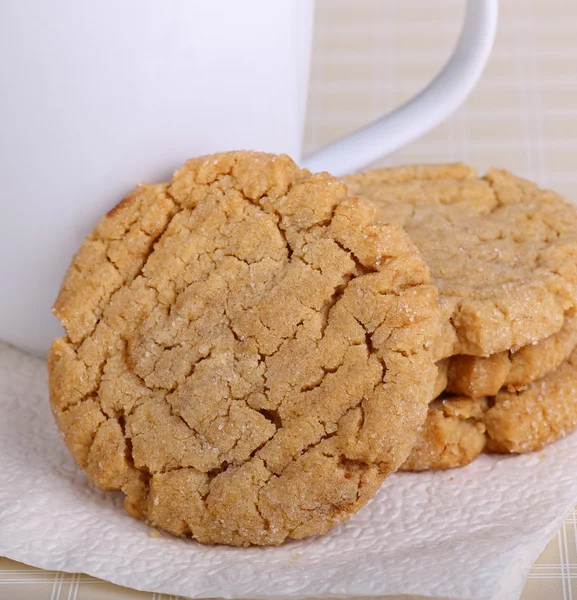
(48, 565)
(510, 586)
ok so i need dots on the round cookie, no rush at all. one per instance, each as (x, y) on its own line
(501, 251)
(476, 376)
(248, 355)
(458, 428)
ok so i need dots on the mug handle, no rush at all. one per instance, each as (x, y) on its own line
(427, 109)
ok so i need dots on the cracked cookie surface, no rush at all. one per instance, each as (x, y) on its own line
(248, 354)
(459, 428)
(502, 252)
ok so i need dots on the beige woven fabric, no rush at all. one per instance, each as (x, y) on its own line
(370, 56)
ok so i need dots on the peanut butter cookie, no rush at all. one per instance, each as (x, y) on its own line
(501, 251)
(477, 376)
(248, 355)
(458, 429)
(453, 435)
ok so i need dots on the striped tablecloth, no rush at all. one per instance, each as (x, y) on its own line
(371, 55)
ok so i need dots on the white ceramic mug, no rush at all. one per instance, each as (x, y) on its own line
(98, 96)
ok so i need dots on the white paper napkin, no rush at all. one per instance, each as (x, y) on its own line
(469, 533)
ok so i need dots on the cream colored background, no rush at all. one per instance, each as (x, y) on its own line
(371, 55)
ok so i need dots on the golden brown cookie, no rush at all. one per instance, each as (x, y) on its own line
(458, 429)
(248, 354)
(501, 251)
(476, 376)
(453, 435)
(442, 377)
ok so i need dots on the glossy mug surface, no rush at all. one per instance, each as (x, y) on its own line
(102, 96)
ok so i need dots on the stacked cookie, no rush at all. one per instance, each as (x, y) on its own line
(502, 253)
(251, 349)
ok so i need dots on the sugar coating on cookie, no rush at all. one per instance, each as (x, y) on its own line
(248, 353)
(476, 376)
(501, 251)
(458, 429)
